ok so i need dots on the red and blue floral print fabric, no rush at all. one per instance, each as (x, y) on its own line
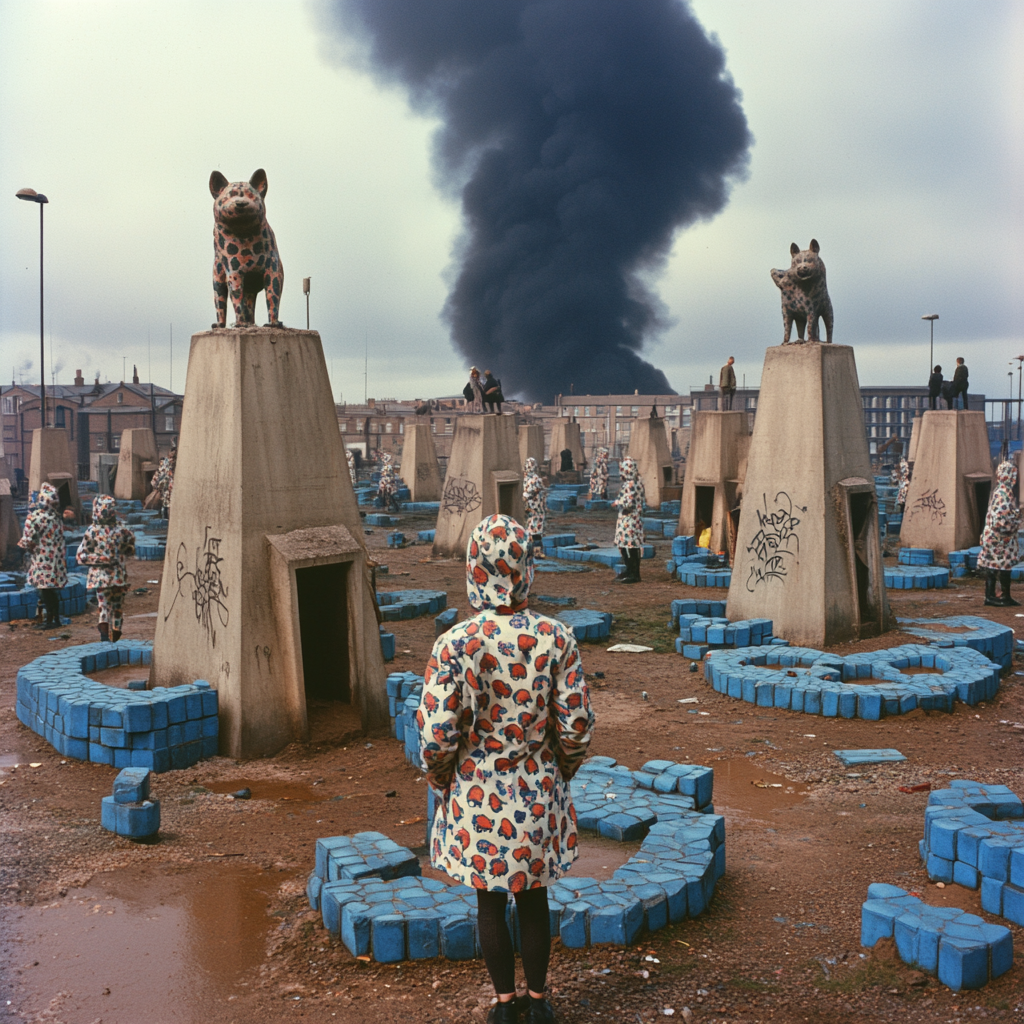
(505, 722)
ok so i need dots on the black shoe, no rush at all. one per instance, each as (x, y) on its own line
(504, 1013)
(1004, 587)
(540, 1012)
(995, 602)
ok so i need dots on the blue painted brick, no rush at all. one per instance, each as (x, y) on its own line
(131, 786)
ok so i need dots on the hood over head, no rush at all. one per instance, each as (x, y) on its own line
(601, 455)
(48, 498)
(1006, 474)
(530, 466)
(499, 568)
(627, 469)
(104, 510)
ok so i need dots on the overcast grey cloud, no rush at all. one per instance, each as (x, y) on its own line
(891, 132)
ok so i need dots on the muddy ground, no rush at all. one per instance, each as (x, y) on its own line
(210, 922)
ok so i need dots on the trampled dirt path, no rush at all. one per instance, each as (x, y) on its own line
(211, 924)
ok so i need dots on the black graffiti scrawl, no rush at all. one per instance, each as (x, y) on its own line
(929, 505)
(203, 585)
(776, 541)
(461, 497)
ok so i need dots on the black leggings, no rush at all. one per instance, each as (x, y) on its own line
(534, 938)
(51, 602)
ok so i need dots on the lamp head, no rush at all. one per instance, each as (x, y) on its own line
(31, 195)
(931, 316)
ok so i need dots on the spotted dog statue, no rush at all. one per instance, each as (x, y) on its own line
(245, 257)
(804, 294)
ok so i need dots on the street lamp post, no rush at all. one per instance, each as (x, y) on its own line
(931, 318)
(305, 291)
(1020, 388)
(37, 197)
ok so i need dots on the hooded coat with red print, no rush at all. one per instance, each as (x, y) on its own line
(43, 539)
(505, 721)
(533, 498)
(105, 546)
(629, 527)
(388, 484)
(999, 538)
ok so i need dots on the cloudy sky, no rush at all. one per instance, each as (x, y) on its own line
(893, 132)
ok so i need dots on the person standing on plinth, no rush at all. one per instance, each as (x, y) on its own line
(599, 475)
(727, 383)
(43, 539)
(104, 549)
(629, 527)
(504, 724)
(473, 392)
(934, 388)
(960, 382)
(533, 502)
(999, 549)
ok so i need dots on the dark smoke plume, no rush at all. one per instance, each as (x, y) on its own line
(583, 134)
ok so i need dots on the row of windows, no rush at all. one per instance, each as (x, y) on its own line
(895, 402)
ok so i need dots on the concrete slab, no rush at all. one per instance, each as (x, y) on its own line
(715, 466)
(51, 461)
(951, 483)
(648, 446)
(531, 443)
(420, 470)
(808, 555)
(136, 463)
(484, 477)
(264, 546)
(879, 756)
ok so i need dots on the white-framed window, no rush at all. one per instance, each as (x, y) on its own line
(169, 422)
(387, 427)
(686, 417)
(8, 406)
(116, 441)
(120, 398)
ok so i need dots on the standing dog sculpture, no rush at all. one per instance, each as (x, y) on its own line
(245, 258)
(804, 294)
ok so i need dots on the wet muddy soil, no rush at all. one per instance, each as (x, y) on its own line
(210, 921)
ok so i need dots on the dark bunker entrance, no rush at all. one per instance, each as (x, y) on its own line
(324, 628)
(703, 508)
(862, 508)
(506, 498)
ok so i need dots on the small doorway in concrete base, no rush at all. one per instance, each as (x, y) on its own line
(323, 630)
(64, 494)
(981, 490)
(703, 508)
(862, 527)
(506, 499)
(507, 487)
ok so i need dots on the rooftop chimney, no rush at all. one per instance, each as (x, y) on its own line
(79, 379)
(135, 374)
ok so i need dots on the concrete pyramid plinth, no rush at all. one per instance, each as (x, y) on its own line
(136, 463)
(266, 592)
(808, 555)
(9, 531)
(950, 487)
(648, 446)
(565, 433)
(531, 444)
(51, 462)
(420, 470)
(484, 477)
(719, 443)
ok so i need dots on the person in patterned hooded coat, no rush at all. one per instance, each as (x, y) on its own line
(901, 494)
(104, 548)
(999, 548)
(599, 475)
(351, 460)
(43, 539)
(387, 488)
(533, 501)
(163, 481)
(505, 722)
(629, 527)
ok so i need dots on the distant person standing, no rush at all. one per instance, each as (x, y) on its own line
(629, 527)
(999, 552)
(599, 475)
(43, 539)
(960, 382)
(474, 390)
(492, 392)
(533, 502)
(934, 388)
(901, 495)
(727, 383)
(106, 546)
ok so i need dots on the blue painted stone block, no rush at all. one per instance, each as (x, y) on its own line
(131, 786)
(388, 938)
(135, 821)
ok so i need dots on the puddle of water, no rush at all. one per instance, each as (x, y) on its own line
(736, 788)
(165, 946)
(272, 789)
(10, 760)
(120, 676)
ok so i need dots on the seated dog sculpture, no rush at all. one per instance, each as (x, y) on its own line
(245, 258)
(804, 294)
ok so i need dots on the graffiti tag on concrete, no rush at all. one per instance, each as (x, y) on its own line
(461, 497)
(776, 540)
(203, 585)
